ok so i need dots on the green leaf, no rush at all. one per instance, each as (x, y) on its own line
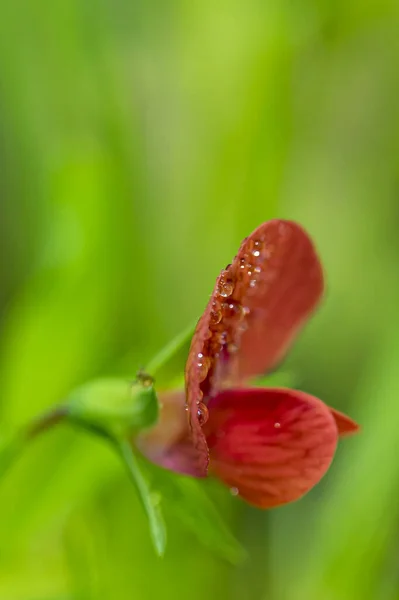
(114, 406)
(150, 499)
(187, 500)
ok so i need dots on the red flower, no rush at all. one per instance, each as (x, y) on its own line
(270, 446)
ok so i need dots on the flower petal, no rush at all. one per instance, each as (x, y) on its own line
(271, 446)
(259, 303)
(346, 426)
(168, 444)
(285, 292)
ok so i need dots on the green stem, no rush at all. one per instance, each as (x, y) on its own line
(45, 422)
(149, 499)
(170, 349)
(13, 446)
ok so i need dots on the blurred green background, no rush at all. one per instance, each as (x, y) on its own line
(140, 141)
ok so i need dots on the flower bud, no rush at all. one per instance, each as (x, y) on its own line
(114, 407)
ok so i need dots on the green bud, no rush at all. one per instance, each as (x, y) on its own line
(115, 408)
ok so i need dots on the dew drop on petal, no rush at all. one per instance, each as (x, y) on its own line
(226, 287)
(231, 310)
(277, 425)
(216, 316)
(202, 413)
(204, 363)
(234, 491)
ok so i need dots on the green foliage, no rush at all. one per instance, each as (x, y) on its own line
(117, 411)
(140, 142)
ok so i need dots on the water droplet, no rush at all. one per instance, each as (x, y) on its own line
(216, 316)
(256, 253)
(232, 348)
(203, 366)
(226, 287)
(231, 310)
(246, 310)
(243, 263)
(277, 425)
(220, 338)
(202, 414)
(257, 270)
(234, 491)
(252, 283)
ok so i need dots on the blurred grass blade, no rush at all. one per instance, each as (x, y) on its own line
(188, 501)
(149, 498)
(199, 514)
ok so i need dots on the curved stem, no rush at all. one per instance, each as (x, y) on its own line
(150, 500)
(45, 422)
(170, 350)
(14, 445)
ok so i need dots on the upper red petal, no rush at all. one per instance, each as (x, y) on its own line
(270, 445)
(258, 304)
(287, 290)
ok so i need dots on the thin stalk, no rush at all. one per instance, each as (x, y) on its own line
(170, 350)
(149, 499)
(13, 446)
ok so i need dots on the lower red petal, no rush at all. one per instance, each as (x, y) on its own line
(271, 446)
